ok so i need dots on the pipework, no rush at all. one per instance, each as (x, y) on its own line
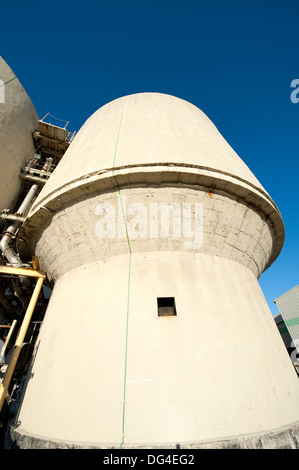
(12, 257)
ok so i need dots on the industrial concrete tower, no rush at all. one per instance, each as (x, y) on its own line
(18, 119)
(153, 233)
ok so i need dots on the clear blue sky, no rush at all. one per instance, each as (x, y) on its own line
(235, 60)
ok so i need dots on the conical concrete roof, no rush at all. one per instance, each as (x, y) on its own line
(148, 128)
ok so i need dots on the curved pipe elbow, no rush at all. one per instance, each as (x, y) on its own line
(12, 258)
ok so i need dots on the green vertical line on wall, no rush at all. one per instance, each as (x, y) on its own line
(5, 83)
(129, 282)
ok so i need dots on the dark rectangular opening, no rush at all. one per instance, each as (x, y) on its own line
(166, 307)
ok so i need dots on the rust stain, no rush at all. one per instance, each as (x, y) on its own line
(210, 194)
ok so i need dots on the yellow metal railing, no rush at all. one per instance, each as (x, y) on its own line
(40, 276)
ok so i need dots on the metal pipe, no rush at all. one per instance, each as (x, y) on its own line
(13, 325)
(23, 209)
(19, 341)
(12, 257)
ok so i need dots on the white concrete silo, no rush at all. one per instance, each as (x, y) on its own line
(108, 370)
(18, 119)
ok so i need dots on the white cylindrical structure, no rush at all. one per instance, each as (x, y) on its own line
(18, 119)
(199, 230)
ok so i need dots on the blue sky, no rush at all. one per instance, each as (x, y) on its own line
(235, 60)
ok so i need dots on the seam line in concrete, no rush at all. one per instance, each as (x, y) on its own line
(129, 282)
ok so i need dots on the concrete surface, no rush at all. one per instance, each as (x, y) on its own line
(18, 119)
(284, 438)
(217, 370)
(231, 229)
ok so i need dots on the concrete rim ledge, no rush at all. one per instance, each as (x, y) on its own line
(162, 168)
(158, 175)
(286, 437)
